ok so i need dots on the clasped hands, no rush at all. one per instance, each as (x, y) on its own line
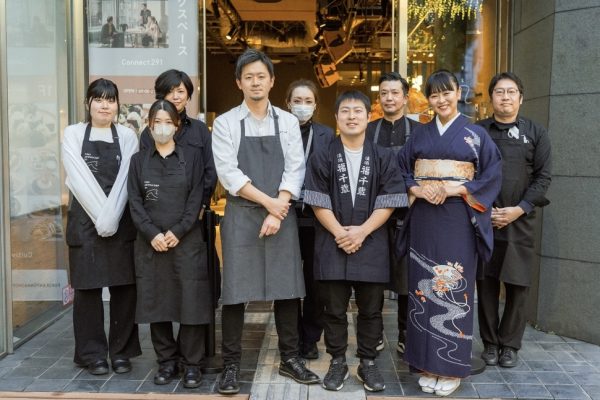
(502, 216)
(435, 194)
(278, 210)
(350, 238)
(164, 241)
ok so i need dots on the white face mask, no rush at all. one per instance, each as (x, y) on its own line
(303, 112)
(162, 133)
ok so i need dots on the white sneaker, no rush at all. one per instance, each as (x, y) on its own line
(428, 383)
(446, 386)
(380, 345)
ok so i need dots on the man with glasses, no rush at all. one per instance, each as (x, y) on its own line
(526, 156)
(393, 130)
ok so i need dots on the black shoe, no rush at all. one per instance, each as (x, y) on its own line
(166, 373)
(295, 369)
(490, 354)
(121, 365)
(228, 383)
(336, 375)
(192, 377)
(98, 367)
(369, 375)
(508, 358)
(310, 351)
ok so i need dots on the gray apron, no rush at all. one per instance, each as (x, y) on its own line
(399, 267)
(259, 269)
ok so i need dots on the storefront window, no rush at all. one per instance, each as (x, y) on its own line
(37, 114)
(457, 35)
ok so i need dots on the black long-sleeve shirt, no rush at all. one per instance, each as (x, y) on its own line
(137, 191)
(192, 136)
(526, 155)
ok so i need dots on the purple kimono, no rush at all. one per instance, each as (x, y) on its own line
(443, 243)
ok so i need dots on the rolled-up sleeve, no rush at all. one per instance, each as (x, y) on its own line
(225, 155)
(295, 167)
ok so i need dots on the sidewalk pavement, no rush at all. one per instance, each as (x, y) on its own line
(550, 366)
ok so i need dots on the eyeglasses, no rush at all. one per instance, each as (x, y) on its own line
(512, 92)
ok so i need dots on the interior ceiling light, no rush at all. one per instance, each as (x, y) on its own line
(232, 32)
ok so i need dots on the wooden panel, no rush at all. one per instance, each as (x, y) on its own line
(284, 10)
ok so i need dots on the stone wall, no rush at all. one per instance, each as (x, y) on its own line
(557, 54)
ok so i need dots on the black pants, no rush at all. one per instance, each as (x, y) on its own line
(509, 330)
(336, 296)
(286, 322)
(88, 325)
(189, 348)
(311, 312)
(402, 312)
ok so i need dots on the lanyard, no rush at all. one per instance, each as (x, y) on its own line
(309, 144)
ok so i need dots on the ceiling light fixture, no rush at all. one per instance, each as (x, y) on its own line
(232, 32)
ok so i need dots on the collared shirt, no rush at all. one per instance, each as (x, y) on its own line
(443, 128)
(226, 144)
(390, 134)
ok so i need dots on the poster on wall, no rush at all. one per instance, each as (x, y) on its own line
(132, 42)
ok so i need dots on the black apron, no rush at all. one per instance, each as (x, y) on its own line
(171, 285)
(398, 267)
(259, 269)
(514, 256)
(95, 261)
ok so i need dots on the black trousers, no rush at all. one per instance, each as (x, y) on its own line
(286, 322)
(402, 312)
(509, 330)
(189, 348)
(311, 312)
(336, 297)
(88, 325)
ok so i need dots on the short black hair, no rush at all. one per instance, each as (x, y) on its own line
(440, 81)
(165, 105)
(169, 80)
(353, 95)
(101, 89)
(248, 57)
(395, 76)
(506, 75)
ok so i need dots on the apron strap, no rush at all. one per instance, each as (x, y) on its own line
(377, 129)
(309, 144)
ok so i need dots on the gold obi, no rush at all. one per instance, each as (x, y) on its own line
(442, 172)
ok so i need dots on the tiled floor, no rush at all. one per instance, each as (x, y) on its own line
(551, 366)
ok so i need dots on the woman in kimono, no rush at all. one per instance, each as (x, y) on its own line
(165, 196)
(452, 171)
(100, 233)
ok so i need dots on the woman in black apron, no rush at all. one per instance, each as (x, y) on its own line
(165, 197)
(100, 233)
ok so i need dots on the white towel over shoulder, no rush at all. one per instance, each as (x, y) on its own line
(104, 211)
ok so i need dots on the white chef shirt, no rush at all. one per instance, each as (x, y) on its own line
(226, 137)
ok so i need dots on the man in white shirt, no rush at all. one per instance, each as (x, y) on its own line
(260, 162)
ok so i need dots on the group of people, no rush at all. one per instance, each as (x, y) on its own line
(428, 211)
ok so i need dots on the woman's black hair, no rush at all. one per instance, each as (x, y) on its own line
(440, 81)
(169, 80)
(101, 89)
(164, 105)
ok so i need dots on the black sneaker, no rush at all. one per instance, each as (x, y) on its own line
(337, 374)
(294, 368)
(228, 383)
(369, 375)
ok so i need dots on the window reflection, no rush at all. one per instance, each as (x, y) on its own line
(37, 100)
